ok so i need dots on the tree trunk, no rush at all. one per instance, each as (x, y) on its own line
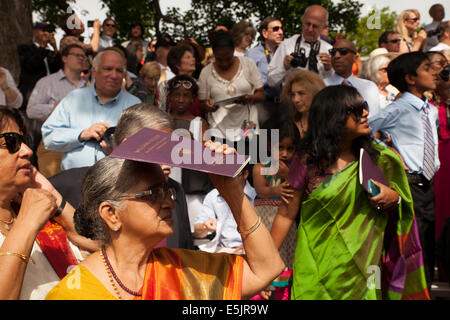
(16, 28)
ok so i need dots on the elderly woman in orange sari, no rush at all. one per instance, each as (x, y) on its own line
(127, 206)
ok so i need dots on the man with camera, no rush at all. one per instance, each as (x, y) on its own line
(305, 51)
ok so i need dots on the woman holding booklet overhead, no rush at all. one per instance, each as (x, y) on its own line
(127, 205)
(350, 244)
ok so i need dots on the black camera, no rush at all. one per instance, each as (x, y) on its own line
(90, 23)
(300, 60)
(432, 33)
(444, 74)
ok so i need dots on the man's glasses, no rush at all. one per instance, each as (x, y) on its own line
(13, 141)
(358, 110)
(81, 56)
(186, 84)
(153, 195)
(342, 51)
(394, 40)
(110, 25)
(276, 28)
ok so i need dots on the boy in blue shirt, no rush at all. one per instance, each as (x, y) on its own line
(411, 122)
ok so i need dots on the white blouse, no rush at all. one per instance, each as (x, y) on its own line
(39, 278)
(211, 86)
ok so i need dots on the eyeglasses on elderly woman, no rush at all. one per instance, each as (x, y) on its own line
(153, 195)
(13, 141)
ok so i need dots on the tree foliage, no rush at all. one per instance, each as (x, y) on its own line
(370, 28)
(206, 14)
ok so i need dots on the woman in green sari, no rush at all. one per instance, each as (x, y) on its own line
(349, 245)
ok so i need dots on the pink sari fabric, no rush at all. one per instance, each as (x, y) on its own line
(442, 176)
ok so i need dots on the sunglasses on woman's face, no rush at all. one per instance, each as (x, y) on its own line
(342, 51)
(13, 141)
(358, 110)
(413, 19)
(186, 84)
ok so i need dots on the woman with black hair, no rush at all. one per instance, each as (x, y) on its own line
(228, 77)
(344, 234)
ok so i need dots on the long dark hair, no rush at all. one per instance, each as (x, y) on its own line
(326, 128)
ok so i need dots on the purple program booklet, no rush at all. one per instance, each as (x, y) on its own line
(153, 146)
(368, 170)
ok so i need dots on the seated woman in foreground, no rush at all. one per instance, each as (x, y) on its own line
(127, 206)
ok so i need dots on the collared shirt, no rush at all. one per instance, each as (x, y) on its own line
(78, 111)
(366, 88)
(49, 91)
(214, 206)
(440, 46)
(276, 72)
(105, 42)
(258, 55)
(402, 119)
(169, 73)
(12, 85)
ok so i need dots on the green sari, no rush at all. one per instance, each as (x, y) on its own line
(348, 250)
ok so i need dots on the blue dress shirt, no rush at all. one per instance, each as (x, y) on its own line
(214, 206)
(403, 121)
(258, 55)
(79, 110)
(366, 88)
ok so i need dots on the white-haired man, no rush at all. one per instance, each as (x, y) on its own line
(312, 52)
(78, 124)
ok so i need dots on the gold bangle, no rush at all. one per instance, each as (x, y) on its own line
(253, 228)
(19, 255)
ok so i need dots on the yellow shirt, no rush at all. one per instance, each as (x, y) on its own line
(80, 284)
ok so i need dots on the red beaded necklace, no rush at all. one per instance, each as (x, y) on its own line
(134, 293)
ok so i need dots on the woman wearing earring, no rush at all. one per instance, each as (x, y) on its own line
(127, 205)
(407, 24)
(344, 233)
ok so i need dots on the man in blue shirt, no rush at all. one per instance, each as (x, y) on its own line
(411, 124)
(77, 125)
(271, 35)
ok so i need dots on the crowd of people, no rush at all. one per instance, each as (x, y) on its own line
(77, 223)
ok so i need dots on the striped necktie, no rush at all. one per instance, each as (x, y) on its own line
(428, 157)
(345, 82)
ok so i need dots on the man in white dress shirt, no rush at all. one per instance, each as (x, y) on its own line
(308, 45)
(343, 55)
(444, 37)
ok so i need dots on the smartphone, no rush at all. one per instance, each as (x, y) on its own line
(90, 23)
(373, 189)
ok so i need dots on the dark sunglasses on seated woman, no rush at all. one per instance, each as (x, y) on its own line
(13, 141)
(358, 110)
(342, 51)
(153, 195)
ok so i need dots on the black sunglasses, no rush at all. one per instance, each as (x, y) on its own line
(393, 41)
(13, 141)
(358, 110)
(110, 25)
(342, 51)
(275, 29)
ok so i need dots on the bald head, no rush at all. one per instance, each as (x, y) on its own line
(343, 55)
(344, 43)
(314, 21)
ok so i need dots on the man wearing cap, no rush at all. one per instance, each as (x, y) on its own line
(36, 59)
(162, 48)
(343, 55)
